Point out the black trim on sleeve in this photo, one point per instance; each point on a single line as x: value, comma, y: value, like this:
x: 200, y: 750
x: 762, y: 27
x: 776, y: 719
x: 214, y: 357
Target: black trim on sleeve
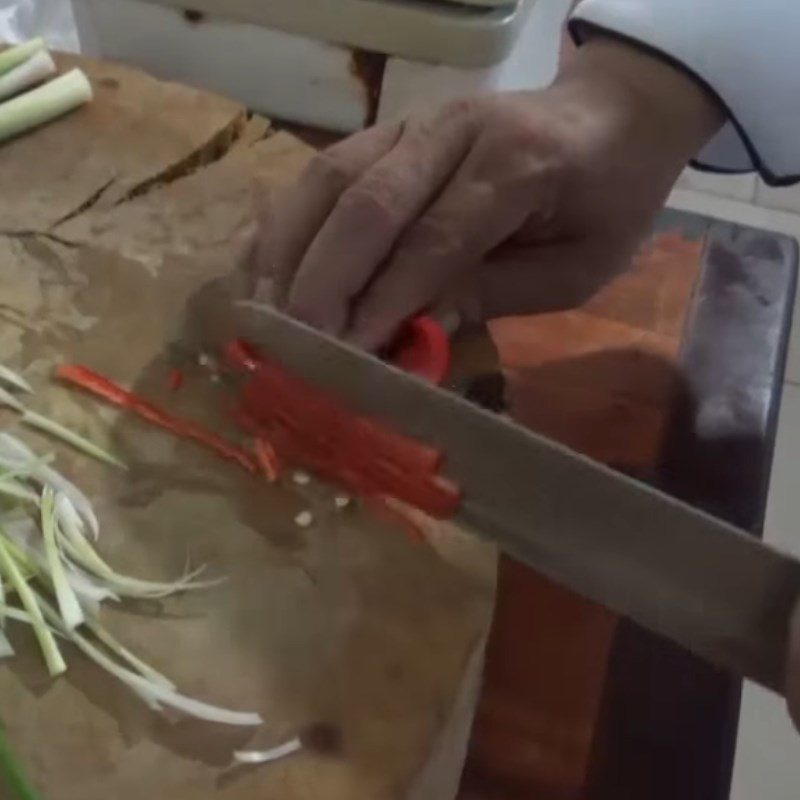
x: 578, y: 28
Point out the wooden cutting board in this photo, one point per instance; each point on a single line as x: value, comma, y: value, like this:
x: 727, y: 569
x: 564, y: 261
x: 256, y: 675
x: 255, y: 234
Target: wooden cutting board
x: 369, y: 645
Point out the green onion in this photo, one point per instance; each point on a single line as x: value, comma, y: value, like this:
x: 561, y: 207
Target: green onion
x: 20, y: 53
x: 11, y: 378
x: 52, y: 655
x: 48, y: 102
x: 8, y: 399
x: 68, y: 605
x: 42, y: 423
x: 16, y: 455
x: 153, y: 693
x: 11, y: 488
x: 36, y: 69
x: 118, y: 649
x: 13, y: 774
x: 265, y: 756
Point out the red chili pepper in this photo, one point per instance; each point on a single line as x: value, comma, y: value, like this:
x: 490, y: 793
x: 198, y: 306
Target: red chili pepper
x: 102, y: 387
x: 267, y: 459
x: 315, y: 431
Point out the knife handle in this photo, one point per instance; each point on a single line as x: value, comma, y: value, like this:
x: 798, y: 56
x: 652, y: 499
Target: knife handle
x: 423, y: 349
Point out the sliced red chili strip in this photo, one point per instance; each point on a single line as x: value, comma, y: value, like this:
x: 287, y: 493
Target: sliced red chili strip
x: 315, y: 431
x: 102, y: 387
x: 267, y: 459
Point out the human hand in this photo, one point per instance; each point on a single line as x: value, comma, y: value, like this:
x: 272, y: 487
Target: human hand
x: 500, y: 204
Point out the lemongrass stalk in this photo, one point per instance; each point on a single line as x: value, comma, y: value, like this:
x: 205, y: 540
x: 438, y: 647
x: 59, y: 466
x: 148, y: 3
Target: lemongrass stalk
x: 68, y: 605
x: 14, y: 56
x: 14, y: 380
x: 47, y: 425
x: 36, y: 69
x: 52, y: 655
x: 42, y: 105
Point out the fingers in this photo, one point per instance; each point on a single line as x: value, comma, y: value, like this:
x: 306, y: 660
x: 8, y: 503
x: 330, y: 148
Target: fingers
x: 437, y: 255
x: 296, y: 214
x: 371, y: 215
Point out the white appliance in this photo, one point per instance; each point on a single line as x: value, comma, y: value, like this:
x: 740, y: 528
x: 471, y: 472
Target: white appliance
x: 300, y: 60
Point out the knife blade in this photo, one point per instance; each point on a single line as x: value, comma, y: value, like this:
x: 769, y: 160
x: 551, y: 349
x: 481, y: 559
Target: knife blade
x: 671, y: 568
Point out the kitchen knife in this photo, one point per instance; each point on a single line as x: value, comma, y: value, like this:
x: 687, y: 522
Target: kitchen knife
x: 673, y: 569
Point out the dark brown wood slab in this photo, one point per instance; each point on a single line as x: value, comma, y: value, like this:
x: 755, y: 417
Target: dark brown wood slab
x: 672, y: 374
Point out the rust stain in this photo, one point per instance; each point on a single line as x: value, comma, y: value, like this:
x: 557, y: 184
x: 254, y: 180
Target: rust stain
x: 368, y: 68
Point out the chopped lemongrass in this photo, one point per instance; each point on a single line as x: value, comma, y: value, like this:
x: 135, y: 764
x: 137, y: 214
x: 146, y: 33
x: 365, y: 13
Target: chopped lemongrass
x: 265, y: 756
x: 29, y: 73
x: 38, y: 106
x: 79, y: 442
x: 7, y: 399
x: 153, y: 693
x: 301, y: 478
x: 47, y: 643
x: 118, y: 649
x: 68, y: 604
x: 18, y: 54
x: 15, y: 381
x: 15, y: 455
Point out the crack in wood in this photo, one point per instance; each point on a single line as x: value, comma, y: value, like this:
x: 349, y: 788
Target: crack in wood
x: 211, y: 151
x: 86, y: 205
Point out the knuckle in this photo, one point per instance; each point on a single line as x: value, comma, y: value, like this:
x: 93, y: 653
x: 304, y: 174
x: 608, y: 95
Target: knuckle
x: 436, y: 236
x: 461, y: 109
x: 330, y: 170
x: 373, y: 202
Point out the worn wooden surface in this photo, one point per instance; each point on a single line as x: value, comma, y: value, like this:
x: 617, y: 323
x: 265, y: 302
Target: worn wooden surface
x: 133, y: 203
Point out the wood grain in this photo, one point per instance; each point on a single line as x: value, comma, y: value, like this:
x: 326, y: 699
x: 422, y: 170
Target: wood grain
x: 347, y: 625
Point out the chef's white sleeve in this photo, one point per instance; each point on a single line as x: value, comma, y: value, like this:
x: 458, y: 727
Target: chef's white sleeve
x: 747, y: 52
